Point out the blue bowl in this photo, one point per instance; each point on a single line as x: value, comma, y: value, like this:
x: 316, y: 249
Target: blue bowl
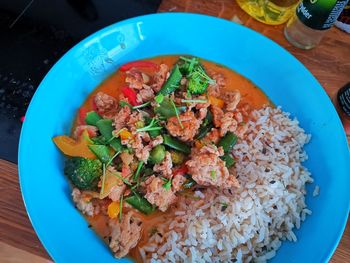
x: 46, y: 192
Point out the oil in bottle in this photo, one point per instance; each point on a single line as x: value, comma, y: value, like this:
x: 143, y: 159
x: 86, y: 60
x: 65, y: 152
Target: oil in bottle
x: 272, y: 12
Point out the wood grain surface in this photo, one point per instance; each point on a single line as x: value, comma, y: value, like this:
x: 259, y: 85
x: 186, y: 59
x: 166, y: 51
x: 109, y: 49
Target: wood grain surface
x: 15, y: 227
x: 329, y: 62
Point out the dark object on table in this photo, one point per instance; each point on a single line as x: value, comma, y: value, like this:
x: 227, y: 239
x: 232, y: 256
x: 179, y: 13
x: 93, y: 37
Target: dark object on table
x: 343, y: 97
x: 34, y: 35
x: 343, y: 21
x: 343, y: 106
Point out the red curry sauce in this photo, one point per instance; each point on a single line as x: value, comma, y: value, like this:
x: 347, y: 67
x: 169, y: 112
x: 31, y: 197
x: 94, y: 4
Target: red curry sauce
x: 250, y: 94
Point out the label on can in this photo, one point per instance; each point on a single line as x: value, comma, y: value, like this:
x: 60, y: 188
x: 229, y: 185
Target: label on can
x: 344, y: 99
x: 320, y: 14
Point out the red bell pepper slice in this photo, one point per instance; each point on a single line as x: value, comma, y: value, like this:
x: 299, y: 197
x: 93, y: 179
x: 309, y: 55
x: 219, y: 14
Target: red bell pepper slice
x: 94, y: 107
x: 182, y: 170
x: 139, y: 64
x: 130, y: 94
x: 91, y: 133
x: 82, y: 115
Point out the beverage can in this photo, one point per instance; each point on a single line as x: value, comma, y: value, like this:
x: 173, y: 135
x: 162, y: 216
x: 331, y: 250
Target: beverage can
x: 320, y: 14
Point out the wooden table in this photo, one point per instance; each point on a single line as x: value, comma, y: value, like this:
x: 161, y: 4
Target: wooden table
x: 329, y: 62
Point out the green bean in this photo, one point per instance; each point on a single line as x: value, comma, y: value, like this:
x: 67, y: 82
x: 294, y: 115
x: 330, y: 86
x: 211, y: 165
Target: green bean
x: 140, y: 203
x: 99, y: 140
x: 92, y: 118
x: 173, y: 81
x: 204, y: 131
x: 146, y: 173
x: 228, y: 159
x: 206, y: 126
x: 176, y: 144
x: 106, y: 129
x: 228, y: 141
x: 154, y: 133
x: 167, y: 110
x: 159, y: 98
x: 101, y: 152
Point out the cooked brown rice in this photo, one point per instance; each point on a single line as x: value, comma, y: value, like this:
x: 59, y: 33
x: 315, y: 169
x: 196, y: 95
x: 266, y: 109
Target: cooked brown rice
x: 251, y: 222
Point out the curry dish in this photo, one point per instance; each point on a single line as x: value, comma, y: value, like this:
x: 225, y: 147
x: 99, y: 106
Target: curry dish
x: 156, y: 134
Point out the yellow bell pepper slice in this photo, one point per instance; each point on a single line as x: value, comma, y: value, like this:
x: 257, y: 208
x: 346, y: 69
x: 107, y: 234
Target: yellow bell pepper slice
x: 111, y: 179
x: 75, y: 148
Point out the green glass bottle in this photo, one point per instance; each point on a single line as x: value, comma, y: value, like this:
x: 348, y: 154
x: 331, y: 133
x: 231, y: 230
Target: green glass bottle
x: 311, y: 20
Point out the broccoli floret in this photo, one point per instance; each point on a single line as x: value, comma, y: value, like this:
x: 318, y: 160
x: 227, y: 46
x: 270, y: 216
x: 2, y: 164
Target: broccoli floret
x: 198, y: 79
x: 84, y: 173
x: 197, y: 84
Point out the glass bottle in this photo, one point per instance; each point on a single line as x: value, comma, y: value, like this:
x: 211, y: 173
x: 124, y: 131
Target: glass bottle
x: 272, y: 12
x: 311, y: 20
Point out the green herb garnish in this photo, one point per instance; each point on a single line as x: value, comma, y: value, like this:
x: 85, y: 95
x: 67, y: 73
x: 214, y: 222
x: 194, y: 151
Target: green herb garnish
x: 152, y: 126
x: 142, y: 105
x: 112, y: 158
x: 177, y: 113
x: 125, y: 181
x: 121, y: 208
x: 188, y: 64
x: 198, y: 79
x: 138, y: 170
x: 103, y: 177
x: 194, y: 101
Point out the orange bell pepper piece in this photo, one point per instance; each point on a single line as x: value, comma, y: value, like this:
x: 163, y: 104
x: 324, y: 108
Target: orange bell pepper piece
x: 216, y: 102
x: 113, y: 209
x: 125, y: 134
x: 75, y: 148
x: 198, y: 144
